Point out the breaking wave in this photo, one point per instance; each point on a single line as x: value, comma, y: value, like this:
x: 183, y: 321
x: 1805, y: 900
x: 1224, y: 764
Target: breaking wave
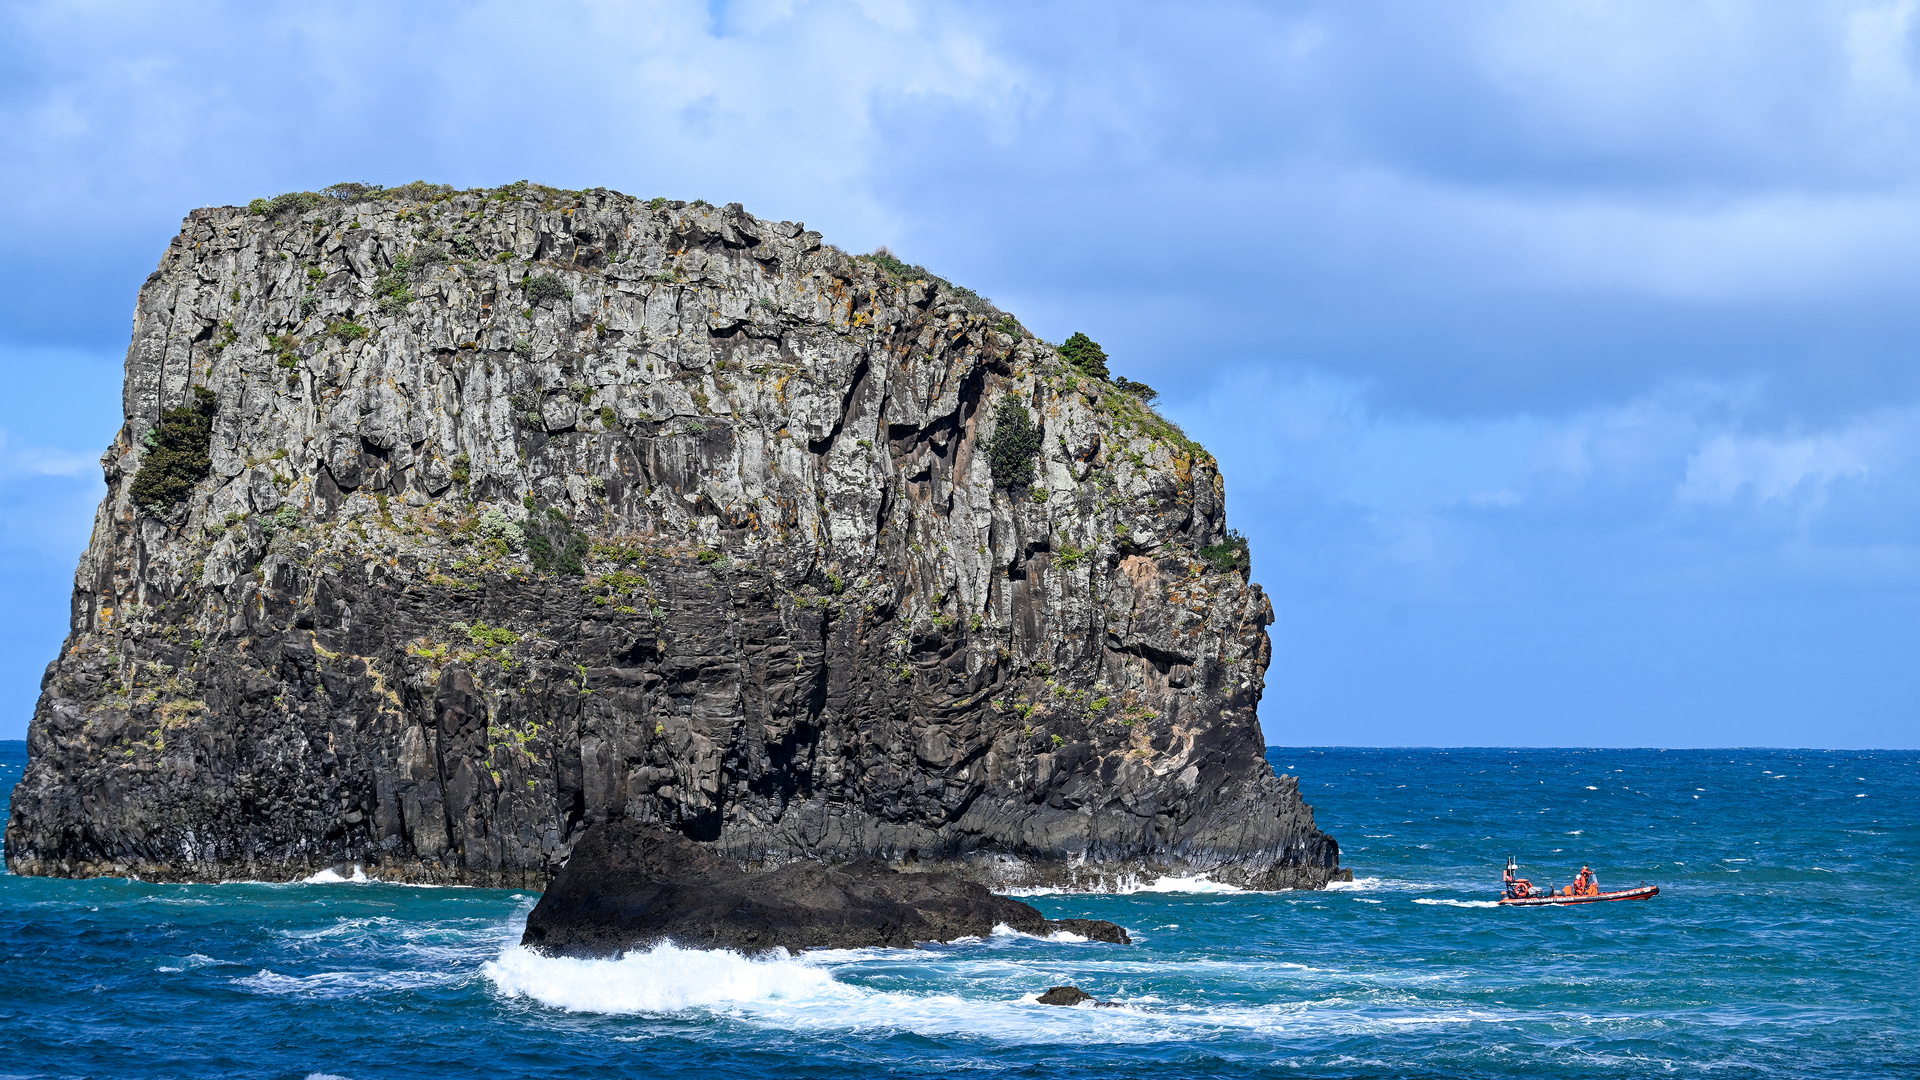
x: 1129, y: 886
x: 663, y: 979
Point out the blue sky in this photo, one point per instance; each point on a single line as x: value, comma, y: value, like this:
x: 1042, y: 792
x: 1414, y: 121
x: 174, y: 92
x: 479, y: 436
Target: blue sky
x: 1560, y: 356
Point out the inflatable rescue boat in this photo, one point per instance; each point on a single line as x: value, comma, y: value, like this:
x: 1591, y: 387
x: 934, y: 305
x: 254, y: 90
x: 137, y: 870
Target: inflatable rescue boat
x: 1640, y: 892
x: 1522, y: 893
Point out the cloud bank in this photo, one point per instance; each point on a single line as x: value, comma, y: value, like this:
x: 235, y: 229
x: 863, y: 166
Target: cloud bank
x: 1560, y: 356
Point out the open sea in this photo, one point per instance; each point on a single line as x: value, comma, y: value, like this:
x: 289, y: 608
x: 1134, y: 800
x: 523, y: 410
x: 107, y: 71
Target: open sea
x: 1784, y: 943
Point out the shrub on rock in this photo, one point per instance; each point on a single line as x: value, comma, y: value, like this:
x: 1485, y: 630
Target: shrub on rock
x: 1016, y: 439
x: 180, y: 455
x: 1086, y: 354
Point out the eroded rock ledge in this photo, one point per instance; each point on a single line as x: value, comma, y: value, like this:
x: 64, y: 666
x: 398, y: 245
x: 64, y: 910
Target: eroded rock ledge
x: 530, y: 510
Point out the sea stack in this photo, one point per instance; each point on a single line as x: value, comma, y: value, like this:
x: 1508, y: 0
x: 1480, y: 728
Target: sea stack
x: 445, y: 525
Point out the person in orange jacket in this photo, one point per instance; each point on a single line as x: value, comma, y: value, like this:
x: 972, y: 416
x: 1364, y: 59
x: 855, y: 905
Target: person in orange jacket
x: 1586, y: 884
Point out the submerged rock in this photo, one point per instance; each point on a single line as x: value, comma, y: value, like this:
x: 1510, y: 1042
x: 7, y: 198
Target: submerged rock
x: 1073, y: 995
x: 630, y: 886
x: 522, y: 510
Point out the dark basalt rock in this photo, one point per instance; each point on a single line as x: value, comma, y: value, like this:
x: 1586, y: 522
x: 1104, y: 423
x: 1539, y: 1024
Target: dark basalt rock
x: 1073, y: 995
x: 631, y: 886
x: 1092, y: 930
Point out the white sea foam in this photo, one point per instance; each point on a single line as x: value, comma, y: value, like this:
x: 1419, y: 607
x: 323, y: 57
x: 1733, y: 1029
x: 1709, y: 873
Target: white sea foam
x: 331, y: 876
x: 807, y: 993
x: 663, y: 979
x: 1457, y: 903
x: 1359, y: 884
x: 1199, y: 883
x: 1128, y: 886
x: 340, y: 984
x: 1002, y: 930
x: 190, y: 962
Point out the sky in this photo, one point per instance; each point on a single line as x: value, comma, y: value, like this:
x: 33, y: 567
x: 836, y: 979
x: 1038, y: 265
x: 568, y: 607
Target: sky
x: 1560, y: 357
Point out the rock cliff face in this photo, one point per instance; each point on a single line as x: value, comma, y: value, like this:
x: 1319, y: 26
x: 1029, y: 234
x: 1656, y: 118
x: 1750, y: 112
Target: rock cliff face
x: 528, y: 509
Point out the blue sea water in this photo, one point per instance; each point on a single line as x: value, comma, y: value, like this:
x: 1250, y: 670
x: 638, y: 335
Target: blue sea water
x: 1783, y: 944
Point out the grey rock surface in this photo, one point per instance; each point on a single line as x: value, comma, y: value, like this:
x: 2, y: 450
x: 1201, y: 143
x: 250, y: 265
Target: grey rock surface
x: 704, y: 537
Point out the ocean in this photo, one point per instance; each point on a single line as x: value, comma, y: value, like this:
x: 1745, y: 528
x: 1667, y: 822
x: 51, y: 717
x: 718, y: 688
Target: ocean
x: 1784, y: 943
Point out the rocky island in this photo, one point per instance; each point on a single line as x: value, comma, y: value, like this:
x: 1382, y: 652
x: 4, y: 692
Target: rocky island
x: 446, y: 527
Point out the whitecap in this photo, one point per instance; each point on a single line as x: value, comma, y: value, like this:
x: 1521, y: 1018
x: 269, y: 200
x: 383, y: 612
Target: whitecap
x: 338, y: 984
x: 189, y: 962
x: 331, y: 876
x: 1457, y: 903
x: 1198, y: 883
x: 663, y: 979
x: 1128, y: 885
x: 1002, y: 930
x: 1359, y: 884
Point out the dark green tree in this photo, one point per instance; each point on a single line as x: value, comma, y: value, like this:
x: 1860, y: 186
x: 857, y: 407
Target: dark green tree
x: 179, y: 456
x: 1140, y: 390
x: 1230, y: 554
x: 1016, y: 439
x: 1086, y: 354
x: 554, y: 546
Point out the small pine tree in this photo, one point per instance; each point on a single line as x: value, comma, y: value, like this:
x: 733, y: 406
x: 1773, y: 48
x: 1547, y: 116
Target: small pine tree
x: 180, y: 457
x: 1086, y: 354
x: 1016, y: 439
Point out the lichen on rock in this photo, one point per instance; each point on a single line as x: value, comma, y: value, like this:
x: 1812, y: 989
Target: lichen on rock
x: 527, y: 509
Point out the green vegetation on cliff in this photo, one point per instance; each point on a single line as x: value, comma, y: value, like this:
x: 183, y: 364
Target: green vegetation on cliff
x: 1016, y: 439
x: 178, y: 458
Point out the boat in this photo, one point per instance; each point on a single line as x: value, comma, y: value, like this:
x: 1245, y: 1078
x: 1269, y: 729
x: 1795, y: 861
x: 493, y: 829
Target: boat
x: 1638, y: 892
x: 1521, y: 893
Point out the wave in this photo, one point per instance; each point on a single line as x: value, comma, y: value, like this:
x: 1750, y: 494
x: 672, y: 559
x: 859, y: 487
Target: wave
x: 340, y: 984
x: 332, y: 876
x: 969, y: 994
x: 1457, y: 903
x: 1359, y: 884
x: 1129, y: 886
x: 1002, y: 930
x: 663, y: 979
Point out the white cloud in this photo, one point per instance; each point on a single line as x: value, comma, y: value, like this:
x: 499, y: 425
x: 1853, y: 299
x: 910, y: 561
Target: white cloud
x: 17, y: 461
x: 1775, y: 468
